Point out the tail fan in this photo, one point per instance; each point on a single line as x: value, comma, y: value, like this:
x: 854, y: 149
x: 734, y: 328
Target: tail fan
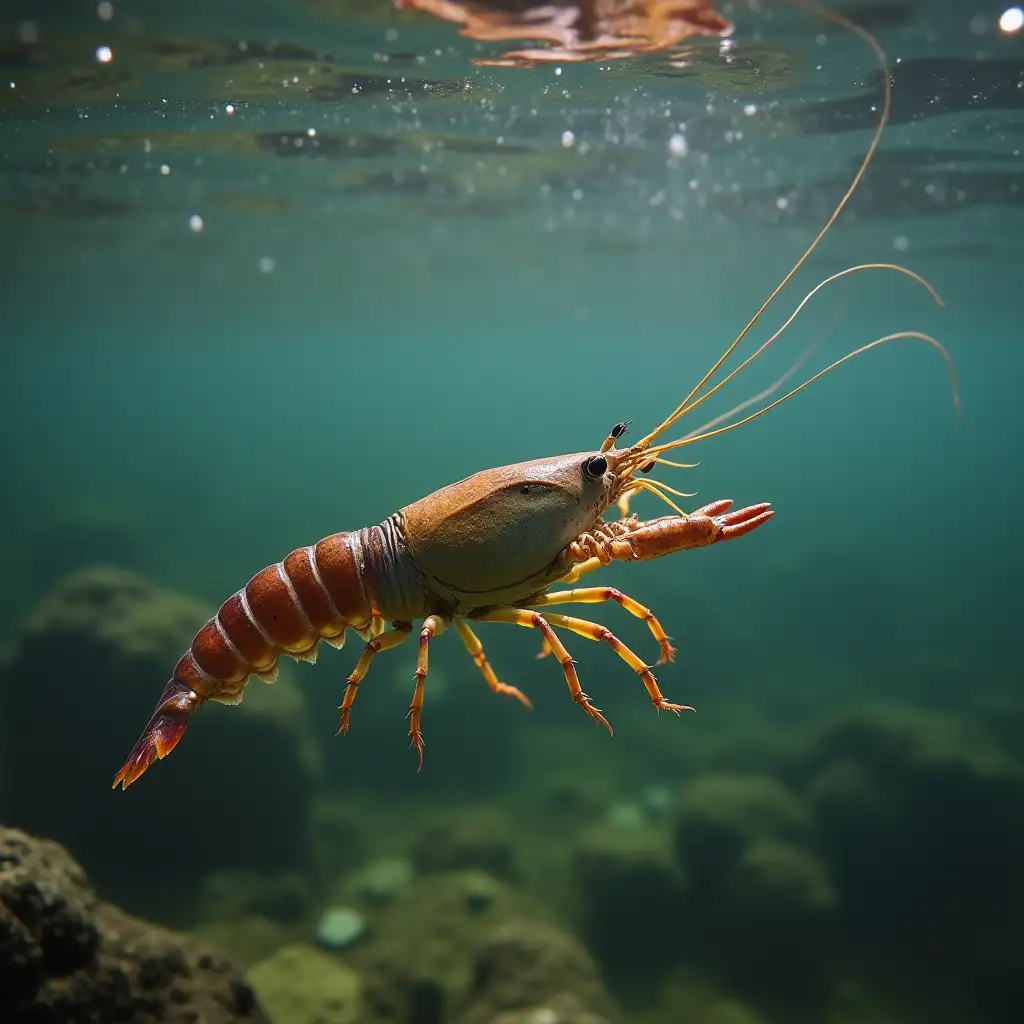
x: 162, y: 732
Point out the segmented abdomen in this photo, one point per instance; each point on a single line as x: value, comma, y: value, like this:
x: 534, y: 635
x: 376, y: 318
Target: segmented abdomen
x: 314, y: 594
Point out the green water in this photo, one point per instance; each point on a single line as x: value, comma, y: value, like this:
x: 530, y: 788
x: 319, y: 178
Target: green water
x: 245, y: 307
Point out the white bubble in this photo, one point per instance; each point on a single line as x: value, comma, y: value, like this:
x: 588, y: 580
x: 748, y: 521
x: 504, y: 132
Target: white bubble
x: 229, y: 109
x: 195, y: 223
x: 750, y: 109
x: 1011, y: 20
x: 901, y: 243
x: 782, y: 202
x: 165, y: 170
x: 105, y: 10
x: 266, y: 264
x: 104, y: 54
x: 577, y: 194
x: 568, y: 139
x: 677, y: 145
x: 311, y: 132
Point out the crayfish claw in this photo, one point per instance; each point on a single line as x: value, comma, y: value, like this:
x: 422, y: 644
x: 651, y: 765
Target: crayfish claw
x: 736, y: 524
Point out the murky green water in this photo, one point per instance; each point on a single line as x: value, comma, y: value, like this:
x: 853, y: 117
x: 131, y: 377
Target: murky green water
x: 272, y: 271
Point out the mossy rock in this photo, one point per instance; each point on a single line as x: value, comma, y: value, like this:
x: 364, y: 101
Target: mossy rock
x: 300, y: 985
x: 628, y: 884
x: 719, y: 815
x: 76, y: 688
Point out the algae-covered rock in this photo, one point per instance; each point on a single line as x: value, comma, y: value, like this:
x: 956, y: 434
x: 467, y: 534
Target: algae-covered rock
x: 562, y: 1009
x: 300, y: 985
x: 629, y: 885
x: 68, y: 958
x: 77, y: 687
x: 382, y: 880
x: 418, y: 958
x: 478, y: 838
x: 718, y: 815
x: 336, y: 839
x: 775, y: 886
x: 82, y: 535
x: 240, y: 892
x: 523, y: 968
x: 250, y: 939
x: 921, y: 817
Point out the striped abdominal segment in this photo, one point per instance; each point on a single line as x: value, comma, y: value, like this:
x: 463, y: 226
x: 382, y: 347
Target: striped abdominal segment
x: 314, y: 594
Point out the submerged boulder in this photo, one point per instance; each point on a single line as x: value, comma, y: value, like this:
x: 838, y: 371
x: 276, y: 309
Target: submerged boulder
x: 68, y: 958
x: 921, y: 818
x: 300, y: 985
x: 477, y: 838
x: 525, y: 973
x: 76, y: 688
x: 417, y: 960
x: 628, y: 886
x: 719, y: 815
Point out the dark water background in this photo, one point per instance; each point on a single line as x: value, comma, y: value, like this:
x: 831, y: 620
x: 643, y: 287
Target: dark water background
x: 348, y: 332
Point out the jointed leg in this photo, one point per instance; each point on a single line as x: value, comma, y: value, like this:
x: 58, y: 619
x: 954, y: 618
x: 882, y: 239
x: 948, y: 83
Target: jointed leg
x: 578, y: 570
x: 581, y: 569
x: 384, y: 642
x: 595, y: 595
x: 432, y: 625
x: 476, y: 650
x: 595, y: 631
x: 534, y: 620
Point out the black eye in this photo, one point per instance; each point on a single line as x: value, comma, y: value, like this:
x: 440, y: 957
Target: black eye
x: 596, y: 466
x: 619, y: 429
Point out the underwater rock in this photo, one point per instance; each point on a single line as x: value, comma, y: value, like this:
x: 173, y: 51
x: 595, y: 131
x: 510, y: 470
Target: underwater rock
x: 718, y: 815
x: 563, y: 1009
x: 336, y: 838
x: 340, y: 927
x: 240, y: 892
x: 466, y: 839
x: 775, y: 884
x: 657, y: 800
x: 248, y: 940
x: 629, y: 886
x: 776, y: 889
x: 76, y: 687
x: 68, y: 958
x: 82, y: 535
x: 418, y: 961
x: 382, y: 880
x: 921, y: 817
x: 300, y: 985
x: 523, y: 968
x: 626, y: 817
x: 566, y: 799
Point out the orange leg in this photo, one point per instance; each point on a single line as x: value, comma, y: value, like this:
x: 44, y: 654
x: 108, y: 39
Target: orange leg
x: 432, y: 625
x: 476, y: 650
x: 595, y: 595
x: 595, y: 631
x: 581, y: 569
x: 384, y: 642
x: 534, y: 620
